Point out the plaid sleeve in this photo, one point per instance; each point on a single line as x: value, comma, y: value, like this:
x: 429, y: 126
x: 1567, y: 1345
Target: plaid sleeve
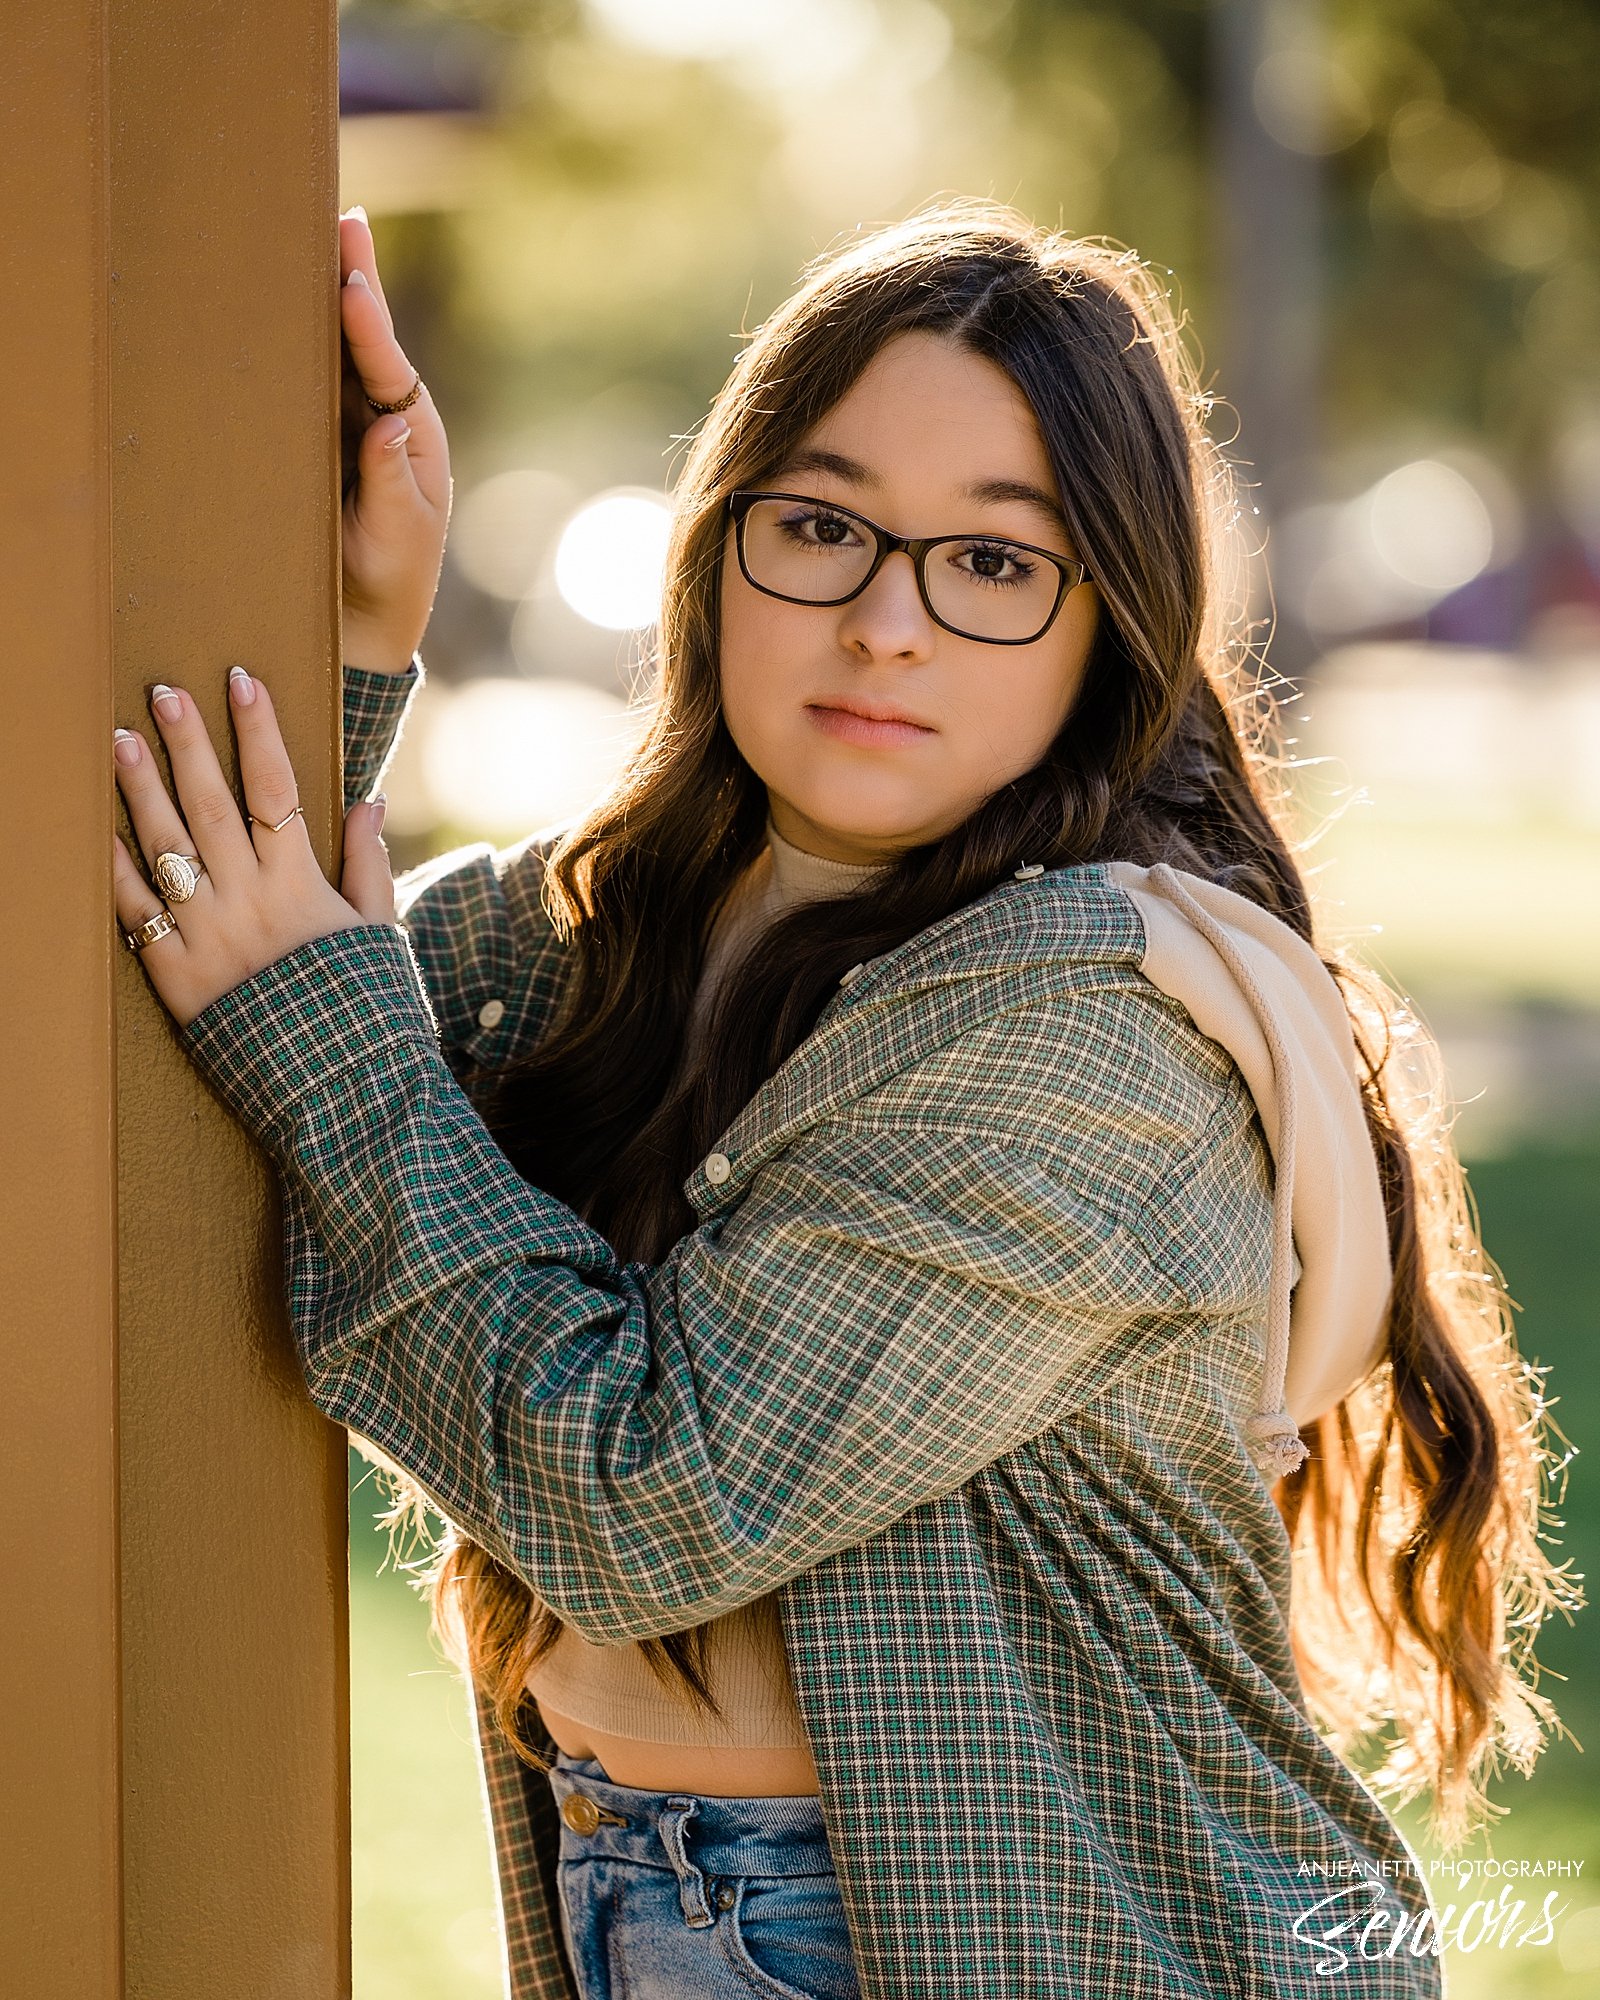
x: 375, y: 708
x: 480, y: 934
x: 474, y: 916
x: 901, y: 1297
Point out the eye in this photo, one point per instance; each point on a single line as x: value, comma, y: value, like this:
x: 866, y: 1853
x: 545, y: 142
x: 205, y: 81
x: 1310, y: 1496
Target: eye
x: 1001, y: 564
x: 818, y: 528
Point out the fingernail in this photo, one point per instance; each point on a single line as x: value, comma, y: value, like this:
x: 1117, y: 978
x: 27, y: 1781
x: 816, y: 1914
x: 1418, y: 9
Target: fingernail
x: 359, y: 210
x: 395, y: 443
x: 167, y: 704
x: 380, y: 805
x: 124, y: 746
x: 241, y: 686
x: 358, y: 277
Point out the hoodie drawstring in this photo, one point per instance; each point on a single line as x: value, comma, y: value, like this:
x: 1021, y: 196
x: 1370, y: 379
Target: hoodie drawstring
x: 1274, y: 1435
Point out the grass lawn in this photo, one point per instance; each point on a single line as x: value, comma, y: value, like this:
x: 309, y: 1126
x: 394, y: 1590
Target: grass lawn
x: 423, y: 1919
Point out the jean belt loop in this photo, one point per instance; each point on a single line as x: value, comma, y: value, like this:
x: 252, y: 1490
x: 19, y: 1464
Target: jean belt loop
x: 673, y: 1826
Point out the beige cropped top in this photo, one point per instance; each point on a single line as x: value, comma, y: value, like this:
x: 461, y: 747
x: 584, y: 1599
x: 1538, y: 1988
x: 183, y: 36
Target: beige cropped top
x: 611, y: 1688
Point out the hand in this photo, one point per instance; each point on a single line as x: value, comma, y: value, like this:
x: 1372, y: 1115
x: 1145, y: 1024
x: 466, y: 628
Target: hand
x: 262, y: 893
x: 396, y: 488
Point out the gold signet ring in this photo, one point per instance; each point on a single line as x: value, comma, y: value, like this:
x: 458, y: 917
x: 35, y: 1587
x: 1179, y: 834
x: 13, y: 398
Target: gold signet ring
x: 177, y: 874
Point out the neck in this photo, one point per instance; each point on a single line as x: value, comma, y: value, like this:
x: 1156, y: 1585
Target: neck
x: 799, y: 875
x: 822, y: 843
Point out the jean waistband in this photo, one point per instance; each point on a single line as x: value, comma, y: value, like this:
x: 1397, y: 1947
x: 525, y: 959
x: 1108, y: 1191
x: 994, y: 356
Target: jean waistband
x: 780, y: 1835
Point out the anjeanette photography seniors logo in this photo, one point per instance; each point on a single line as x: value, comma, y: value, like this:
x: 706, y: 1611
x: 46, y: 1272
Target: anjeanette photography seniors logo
x: 1360, y: 1918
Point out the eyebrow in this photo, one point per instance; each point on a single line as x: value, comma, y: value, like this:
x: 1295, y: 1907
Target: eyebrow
x: 814, y: 458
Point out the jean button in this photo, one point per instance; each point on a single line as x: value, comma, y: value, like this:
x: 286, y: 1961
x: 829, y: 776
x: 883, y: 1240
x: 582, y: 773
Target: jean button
x: 580, y: 1813
x: 725, y: 1896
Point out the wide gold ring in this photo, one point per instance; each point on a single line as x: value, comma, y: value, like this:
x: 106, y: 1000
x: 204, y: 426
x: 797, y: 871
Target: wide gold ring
x: 151, y: 929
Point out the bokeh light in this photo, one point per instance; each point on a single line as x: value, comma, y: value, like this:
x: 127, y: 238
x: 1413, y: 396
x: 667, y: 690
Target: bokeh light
x: 1430, y: 526
x: 1414, y: 535
x: 610, y: 559
x: 690, y: 28
x: 502, y: 757
x: 500, y: 530
x: 797, y: 41
x: 1443, y: 161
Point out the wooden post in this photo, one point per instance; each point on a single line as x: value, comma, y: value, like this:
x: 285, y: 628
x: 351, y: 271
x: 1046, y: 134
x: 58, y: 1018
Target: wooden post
x: 176, y: 1666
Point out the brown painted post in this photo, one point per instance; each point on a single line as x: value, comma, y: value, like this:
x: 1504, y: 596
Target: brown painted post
x: 174, y: 1715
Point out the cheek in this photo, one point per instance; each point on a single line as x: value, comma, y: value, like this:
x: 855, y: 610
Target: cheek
x: 1007, y: 709
x: 762, y: 658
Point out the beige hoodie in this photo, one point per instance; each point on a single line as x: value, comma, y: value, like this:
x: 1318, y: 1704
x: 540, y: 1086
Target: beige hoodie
x: 1254, y: 985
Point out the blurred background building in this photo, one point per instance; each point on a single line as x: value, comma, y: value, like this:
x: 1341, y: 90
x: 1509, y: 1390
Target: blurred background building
x: 1380, y: 222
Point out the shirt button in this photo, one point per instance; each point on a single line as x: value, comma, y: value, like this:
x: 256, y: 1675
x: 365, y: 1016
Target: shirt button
x: 491, y: 1013
x: 580, y: 1813
x: 846, y: 977
x: 718, y: 1167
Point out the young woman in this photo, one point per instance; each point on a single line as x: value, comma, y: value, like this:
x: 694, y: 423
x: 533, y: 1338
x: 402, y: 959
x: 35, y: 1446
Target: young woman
x: 887, y: 1241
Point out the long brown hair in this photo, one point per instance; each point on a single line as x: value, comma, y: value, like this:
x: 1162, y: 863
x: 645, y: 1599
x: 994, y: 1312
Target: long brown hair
x: 1422, y: 1505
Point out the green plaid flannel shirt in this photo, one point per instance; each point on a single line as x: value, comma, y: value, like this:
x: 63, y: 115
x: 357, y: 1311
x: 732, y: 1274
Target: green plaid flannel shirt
x: 956, y: 1360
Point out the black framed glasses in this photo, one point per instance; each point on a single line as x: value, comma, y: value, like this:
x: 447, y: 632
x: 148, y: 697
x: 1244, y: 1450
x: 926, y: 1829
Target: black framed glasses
x: 984, y: 587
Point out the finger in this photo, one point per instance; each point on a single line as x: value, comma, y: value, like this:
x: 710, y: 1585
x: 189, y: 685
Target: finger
x: 385, y: 457
x: 157, y: 824
x: 367, y: 880
x: 205, y: 797
x: 136, y: 902
x: 270, y: 789
x: 358, y: 252
x: 385, y: 373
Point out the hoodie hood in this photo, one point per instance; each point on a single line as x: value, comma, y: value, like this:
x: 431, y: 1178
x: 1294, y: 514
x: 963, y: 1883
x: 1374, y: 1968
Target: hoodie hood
x: 1255, y: 986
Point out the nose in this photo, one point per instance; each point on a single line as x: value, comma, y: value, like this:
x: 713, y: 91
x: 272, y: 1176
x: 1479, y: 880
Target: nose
x: 888, y: 621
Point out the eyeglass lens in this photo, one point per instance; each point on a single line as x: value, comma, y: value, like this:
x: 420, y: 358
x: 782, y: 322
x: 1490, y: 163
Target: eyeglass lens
x: 985, y: 587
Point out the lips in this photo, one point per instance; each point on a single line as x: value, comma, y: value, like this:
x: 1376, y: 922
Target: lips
x: 869, y: 713
x: 872, y: 732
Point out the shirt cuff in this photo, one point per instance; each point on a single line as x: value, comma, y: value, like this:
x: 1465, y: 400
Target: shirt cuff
x: 321, y: 1008
x: 374, y: 708
x: 370, y: 677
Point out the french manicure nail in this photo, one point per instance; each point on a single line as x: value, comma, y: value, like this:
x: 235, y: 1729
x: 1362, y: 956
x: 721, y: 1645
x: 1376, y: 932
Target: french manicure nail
x: 241, y: 685
x: 167, y: 704
x: 395, y: 443
x: 124, y: 746
x: 358, y: 277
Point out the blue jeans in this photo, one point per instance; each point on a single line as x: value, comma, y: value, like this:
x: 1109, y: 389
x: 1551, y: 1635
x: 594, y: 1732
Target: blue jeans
x: 684, y: 1896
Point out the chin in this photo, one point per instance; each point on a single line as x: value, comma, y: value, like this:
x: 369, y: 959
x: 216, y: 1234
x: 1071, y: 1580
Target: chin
x: 854, y: 819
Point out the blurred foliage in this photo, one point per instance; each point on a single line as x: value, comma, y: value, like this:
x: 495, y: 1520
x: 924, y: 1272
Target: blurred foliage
x: 643, y: 209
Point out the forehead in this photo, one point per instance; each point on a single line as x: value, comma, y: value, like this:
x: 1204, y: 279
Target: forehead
x: 927, y: 409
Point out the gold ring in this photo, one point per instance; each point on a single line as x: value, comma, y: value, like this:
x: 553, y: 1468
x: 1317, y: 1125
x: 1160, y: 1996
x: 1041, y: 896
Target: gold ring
x: 176, y: 874
x: 151, y: 929
x: 267, y: 823
x: 405, y: 402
